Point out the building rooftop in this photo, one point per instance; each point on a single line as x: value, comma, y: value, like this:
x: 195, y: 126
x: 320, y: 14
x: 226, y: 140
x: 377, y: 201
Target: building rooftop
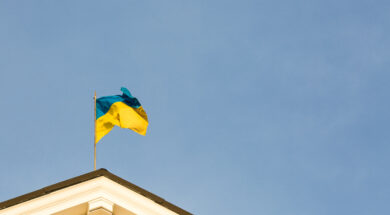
x: 88, y: 177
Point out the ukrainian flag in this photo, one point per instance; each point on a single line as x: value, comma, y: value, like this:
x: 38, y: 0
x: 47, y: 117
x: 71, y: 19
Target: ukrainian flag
x: 123, y: 110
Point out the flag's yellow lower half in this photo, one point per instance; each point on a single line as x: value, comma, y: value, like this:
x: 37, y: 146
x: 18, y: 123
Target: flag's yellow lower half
x: 123, y: 116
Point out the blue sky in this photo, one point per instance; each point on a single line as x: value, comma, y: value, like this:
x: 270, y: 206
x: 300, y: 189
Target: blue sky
x: 255, y: 107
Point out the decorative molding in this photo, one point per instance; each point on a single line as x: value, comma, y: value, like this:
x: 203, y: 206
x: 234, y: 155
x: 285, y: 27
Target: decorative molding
x: 101, y: 203
x: 100, y: 211
x: 98, y: 191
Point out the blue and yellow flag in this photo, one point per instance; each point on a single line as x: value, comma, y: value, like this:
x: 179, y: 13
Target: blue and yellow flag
x: 123, y: 110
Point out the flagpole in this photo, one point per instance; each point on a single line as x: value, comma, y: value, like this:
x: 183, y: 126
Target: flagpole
x: 94, y: 133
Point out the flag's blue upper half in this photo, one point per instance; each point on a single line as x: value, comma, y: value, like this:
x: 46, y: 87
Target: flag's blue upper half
x: 103, y: 104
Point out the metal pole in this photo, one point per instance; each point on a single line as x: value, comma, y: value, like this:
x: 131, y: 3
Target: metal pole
x: 94, y: 132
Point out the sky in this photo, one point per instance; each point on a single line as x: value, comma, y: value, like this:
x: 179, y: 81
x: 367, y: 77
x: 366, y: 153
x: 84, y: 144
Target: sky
x: 255, y: 107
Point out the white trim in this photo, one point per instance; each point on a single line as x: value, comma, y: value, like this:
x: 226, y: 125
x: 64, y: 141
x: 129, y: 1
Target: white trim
x: 97, y: 188
x: 101, y: 203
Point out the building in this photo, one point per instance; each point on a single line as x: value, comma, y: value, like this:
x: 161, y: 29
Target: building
x: 96, y: 193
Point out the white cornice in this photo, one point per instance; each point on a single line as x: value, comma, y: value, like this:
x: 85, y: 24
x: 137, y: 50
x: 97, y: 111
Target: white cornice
x: 88, y: 191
